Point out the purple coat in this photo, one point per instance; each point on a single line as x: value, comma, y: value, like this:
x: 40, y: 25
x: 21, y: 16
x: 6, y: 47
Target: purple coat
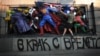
x: 19, y: 20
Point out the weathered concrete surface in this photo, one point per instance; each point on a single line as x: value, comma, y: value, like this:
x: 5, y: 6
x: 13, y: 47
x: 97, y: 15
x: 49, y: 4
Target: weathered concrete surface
x: 7, y: 46
x: 86, y: 52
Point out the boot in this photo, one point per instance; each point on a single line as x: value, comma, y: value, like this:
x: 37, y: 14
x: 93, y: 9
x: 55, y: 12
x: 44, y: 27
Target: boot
x: 41, y: 31
x: 57, y: 31
x: 83, y: 28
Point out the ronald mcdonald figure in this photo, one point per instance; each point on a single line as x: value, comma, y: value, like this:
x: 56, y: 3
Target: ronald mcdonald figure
x: 47, y: 18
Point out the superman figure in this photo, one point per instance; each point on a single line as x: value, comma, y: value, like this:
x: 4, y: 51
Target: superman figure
x: 47, y: 18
